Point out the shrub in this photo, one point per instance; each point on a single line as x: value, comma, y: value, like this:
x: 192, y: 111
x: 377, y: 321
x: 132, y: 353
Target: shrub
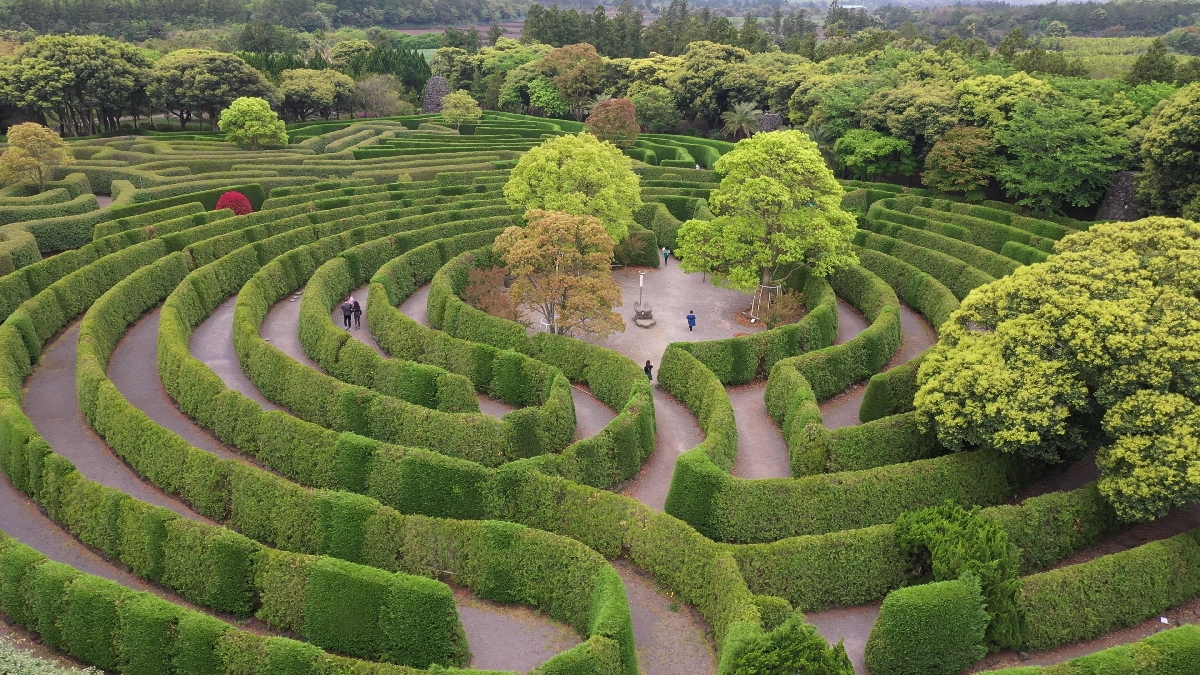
x: 236, y: 202
x: 934, y: 629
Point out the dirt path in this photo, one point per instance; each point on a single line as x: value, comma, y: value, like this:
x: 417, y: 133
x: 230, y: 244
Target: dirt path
x: 510, y: 637
x: 842, y: 409
x: 105, y: 201
x: 762, y: 450
x: 671, y: 636
x: 677, y: 433
x: 52, y: 404
x: 591, y: 416
x: 212, y: 344
x: 851, y: 322
x: 852, y: 625
x: 133, y: 368
x: 363, y: 334
x: 281, y: 327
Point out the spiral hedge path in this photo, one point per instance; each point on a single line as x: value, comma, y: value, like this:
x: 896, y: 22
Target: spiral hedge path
x: 181, y: 413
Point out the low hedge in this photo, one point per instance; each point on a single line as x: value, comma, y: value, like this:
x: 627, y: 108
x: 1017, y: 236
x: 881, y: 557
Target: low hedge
x: 655, y: 216
x: 61, y: 233
x: 852, y: 567
x: 20, y: 213
x: 919, y: 290
x: 796, y: 384
x: 933, y: 629
x: 1023, y: 254
x: 211, y: 565
x: 959, y: 277
x: 742, y: 359
x: 324, y: 400
x: 890, y: 392
x: 1117, y: 590
x: 334, y: 523
x: 911, y: 211
x: 1171, y: 652
x: 18, y: 249
x: 207, y: 198
x: 110, y: 626
x: 613, y: 455
x: 132, y: 222
x: 989, y: 262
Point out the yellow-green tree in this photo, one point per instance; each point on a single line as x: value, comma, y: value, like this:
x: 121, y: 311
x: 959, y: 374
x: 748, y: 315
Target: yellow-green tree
x: 579, y: 175
x: 459, y: 108
x: 1098, y: 347
x: 778, y: 207
x: 250, y: 123
x: 561, y: 263
x: 33, y: 152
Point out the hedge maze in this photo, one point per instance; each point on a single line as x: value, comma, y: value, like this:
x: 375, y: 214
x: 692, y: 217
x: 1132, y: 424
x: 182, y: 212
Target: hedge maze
x: 362, y: 486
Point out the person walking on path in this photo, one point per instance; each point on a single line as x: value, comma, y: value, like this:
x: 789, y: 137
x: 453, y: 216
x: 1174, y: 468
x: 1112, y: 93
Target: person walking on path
x: 347, y: 312
x: 357, y: 315
x: 691, y: 317
x: 649, y: 371
x: 666, y: 254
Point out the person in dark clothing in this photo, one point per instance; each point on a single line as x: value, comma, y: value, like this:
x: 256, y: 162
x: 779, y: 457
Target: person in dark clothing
x: 666, y: 254
x: 649, y: 371
x: 357, y: 315
x: 691, y: 319
x: 347, y: 312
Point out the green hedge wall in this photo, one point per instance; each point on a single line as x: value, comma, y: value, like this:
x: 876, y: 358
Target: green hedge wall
x: 244, y: 488
x: 613, y: 455
x: 1171, y: 652
x: 742, y: 359
x: 105, y: 624
x: 891, y: 392
x: 934, y: 629
x: 207, y: 198
x: 959, y: 277
x: 1117, y: 590
x: 989, y: 262
x: 919, y: 290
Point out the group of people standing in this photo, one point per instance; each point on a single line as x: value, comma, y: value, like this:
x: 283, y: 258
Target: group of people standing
x: 351, y: 310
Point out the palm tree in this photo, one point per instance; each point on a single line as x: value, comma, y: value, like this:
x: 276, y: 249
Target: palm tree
x: 742, y: 120
x: 824, y: 139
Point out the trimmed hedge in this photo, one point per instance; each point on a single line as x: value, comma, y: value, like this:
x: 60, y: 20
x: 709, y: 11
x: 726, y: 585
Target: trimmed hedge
x: 207, y: 198
x: 107, y: 625
x: 1117, y: 590
x: 918, y: 289
x: 614, y: 454
x: 742, y: 359
x: 891, y: 392
x: 989, y: 262
x: 934, y: 629
x: 959, y: 277
x: 1171, y: 652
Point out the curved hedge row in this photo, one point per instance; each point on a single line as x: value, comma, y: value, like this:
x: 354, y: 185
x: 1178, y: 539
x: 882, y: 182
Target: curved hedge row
x: 614, y: 454
x: 953, y: 273
x: 986, y: 261
x: 103, y: 623
x: 742, y: 359
x: 340, y: 524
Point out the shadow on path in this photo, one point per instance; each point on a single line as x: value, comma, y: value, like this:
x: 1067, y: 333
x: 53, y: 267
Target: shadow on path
x: 850, y: 624
x: 762, y: 450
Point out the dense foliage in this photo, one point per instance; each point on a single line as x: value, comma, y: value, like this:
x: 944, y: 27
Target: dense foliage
x: 250, y: 123
x: 580, y: 175
x: 1074, y: 354
x: 778, y: 206
x: 561, y: 263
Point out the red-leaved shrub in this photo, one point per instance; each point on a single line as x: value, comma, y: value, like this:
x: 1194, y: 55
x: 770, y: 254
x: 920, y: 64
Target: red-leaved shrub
x: 236, y: 201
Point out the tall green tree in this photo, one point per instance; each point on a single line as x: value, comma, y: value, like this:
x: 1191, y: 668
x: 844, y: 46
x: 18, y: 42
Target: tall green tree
x: 869, y: 153
x: 83, y: 83
x: 1155, y: 65
x: 778, y: 207
x: 963, y: 160
x: 1060, y: 152
x: 1170, y: 151
x: 252, y: 124
x: 1094, y: 348
x: 306, y: 93
x: 579, y: 175
x: 190, y: 82
x: 699, y: 81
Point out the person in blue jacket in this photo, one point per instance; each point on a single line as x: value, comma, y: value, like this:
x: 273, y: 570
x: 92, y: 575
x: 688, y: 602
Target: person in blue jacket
x: 691, y: 318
